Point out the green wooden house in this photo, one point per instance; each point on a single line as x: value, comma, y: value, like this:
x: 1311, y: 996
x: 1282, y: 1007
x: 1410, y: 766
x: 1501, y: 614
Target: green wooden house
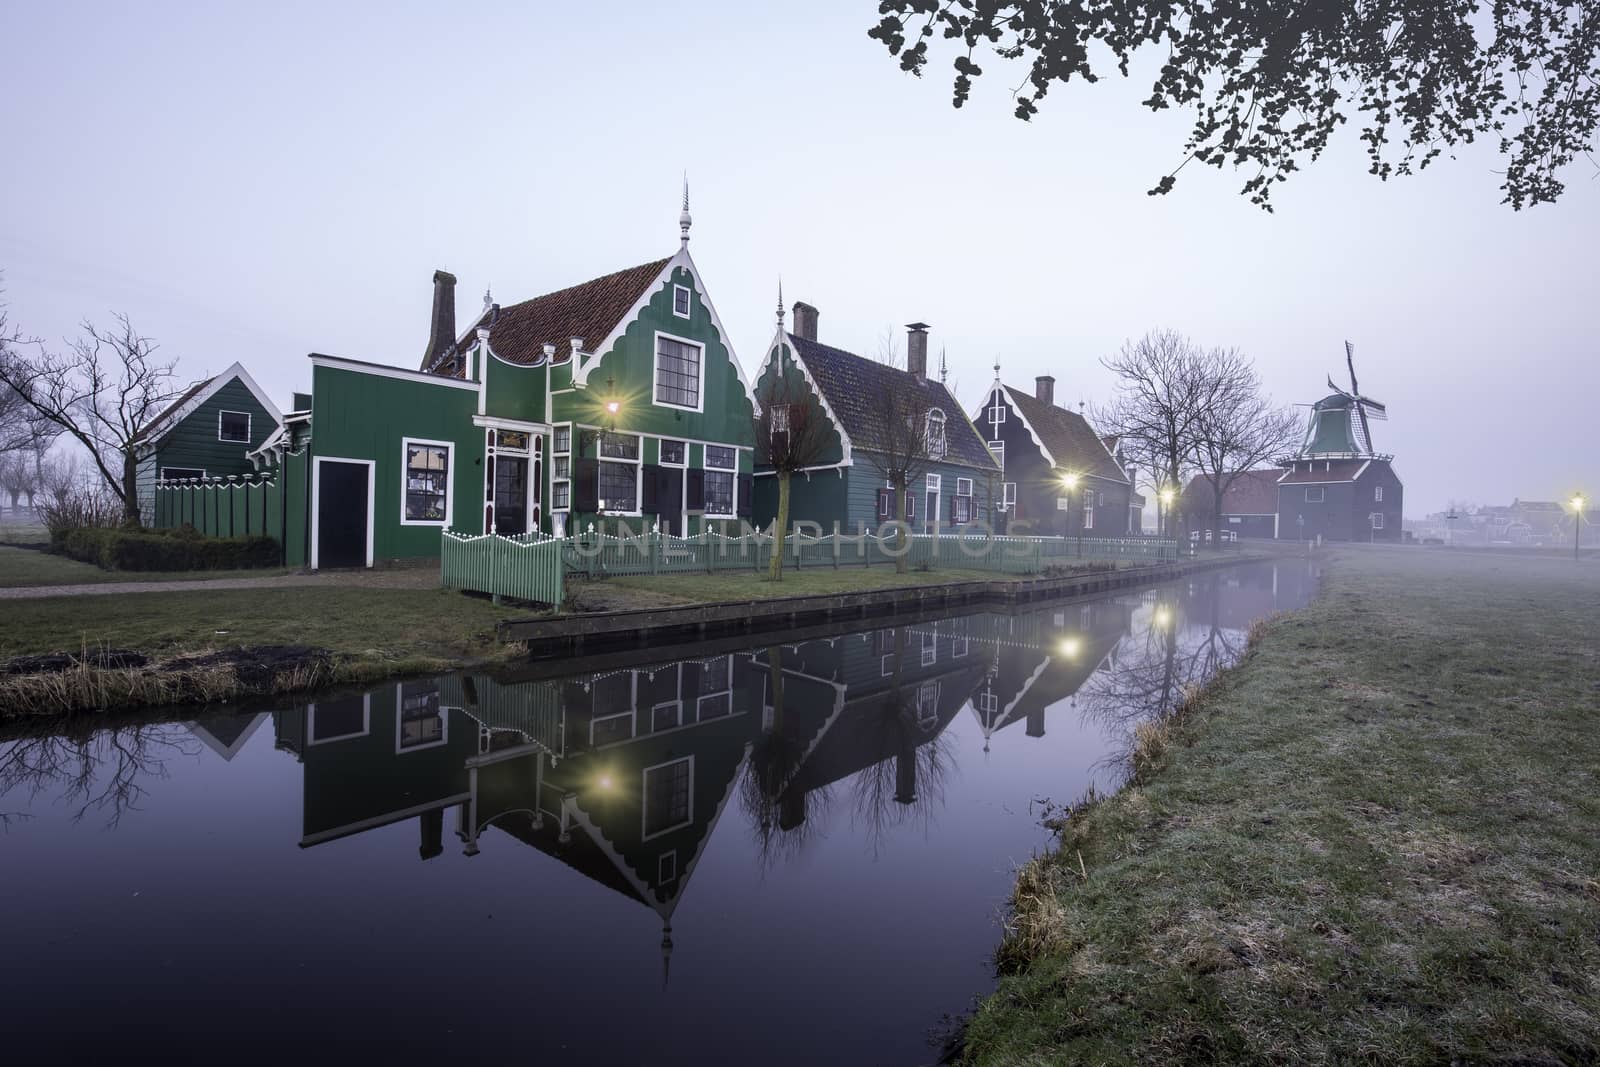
x: 956, y: 480
x: 208, y: 432
x: 616, y: 402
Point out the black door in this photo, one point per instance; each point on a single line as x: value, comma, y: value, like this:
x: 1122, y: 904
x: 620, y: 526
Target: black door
x: 669, y: 501
x: 511, y: 495
x: 341, y: 514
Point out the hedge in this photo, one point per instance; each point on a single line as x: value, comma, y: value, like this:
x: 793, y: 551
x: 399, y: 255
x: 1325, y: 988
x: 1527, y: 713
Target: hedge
x: 182, y: 549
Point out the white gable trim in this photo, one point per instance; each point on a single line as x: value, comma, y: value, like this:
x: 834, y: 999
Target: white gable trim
x: 1016, y: 409
x: 581, y: 367
x: 355, y: 366
x: 780, y: 341
x: 160, y: 427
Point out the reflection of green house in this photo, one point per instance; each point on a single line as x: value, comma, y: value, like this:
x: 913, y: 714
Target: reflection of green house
x: 616, y: 400
x: 226, y: 735
x: 208, y: 432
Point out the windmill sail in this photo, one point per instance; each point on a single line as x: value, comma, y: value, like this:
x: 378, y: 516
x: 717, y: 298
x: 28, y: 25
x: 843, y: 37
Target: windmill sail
x: 1355, y: 392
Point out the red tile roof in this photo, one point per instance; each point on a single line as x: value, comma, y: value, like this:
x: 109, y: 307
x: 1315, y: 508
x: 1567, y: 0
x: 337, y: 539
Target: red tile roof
x: 1250, y: 493
x: 590, y: 311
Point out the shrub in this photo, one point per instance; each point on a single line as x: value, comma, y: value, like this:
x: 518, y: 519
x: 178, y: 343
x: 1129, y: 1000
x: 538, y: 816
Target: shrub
x: 78, y: 507
x: 167, y: 550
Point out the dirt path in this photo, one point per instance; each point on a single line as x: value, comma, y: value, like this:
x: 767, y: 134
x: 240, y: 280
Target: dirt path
x: 399, y: 578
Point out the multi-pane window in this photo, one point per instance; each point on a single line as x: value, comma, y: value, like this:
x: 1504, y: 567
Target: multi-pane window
x: 997, y: 449
x: 720, y: 469
x: 1377, y: 520
x: 561, y: 469
x: 1315, y: 495
x: 563, y: 439
x: 666, y: 797
x: 1008, y: 495
x: 677, y: 373
x: 961, y: 509
x: 421, y: 720
x: 1377, y: 493
x: 680, y: 301
x: 233, y: 426
x: 934, y: 436
x: 427, y: 483
x: 674, y: 452
x: 1088, y: 509
x: 619, y: 481
x: 927, y: 704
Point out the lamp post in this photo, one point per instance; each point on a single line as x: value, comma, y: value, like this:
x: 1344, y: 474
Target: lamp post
x: 1069, y: 482
x: 1165, y: 496
x: 1577, y: 522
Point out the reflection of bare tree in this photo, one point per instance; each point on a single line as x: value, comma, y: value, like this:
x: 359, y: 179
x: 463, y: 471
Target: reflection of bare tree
x: 102, y: 771
x: 782, y: 819
x: 906, y: 784
x: 1155, y: 670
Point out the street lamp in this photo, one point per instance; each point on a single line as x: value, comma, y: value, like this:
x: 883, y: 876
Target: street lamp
x: 1166, y: 496
x: 1577, y: 521
x: 1069, y: 482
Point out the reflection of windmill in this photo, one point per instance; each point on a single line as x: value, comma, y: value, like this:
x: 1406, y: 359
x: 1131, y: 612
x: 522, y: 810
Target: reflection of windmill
x: 1339, y: 423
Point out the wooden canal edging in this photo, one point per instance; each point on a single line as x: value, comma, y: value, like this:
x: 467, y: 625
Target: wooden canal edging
x: 569, y: 635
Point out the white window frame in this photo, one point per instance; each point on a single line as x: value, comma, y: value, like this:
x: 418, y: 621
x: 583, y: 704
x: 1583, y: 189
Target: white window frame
x: 167, y: 478
x: 449, y: 481
x: 644, y: 799
x: 700, y: 385
x: 633, y: 726
x: 663, y: 875
x: 1008, y: 496
x: 399, y: 721
x: 937, y: 448
x: 567, y: 481
x: 960, y: 646
x: 886, y: 665
x: 997, y: 413
x: 930, y: 648
x: 688, y: 302
x: 706, y: 465
x: 934, y: 483
x: 997, y: 449
x: 963, y: 487
x: 928, y: 703
x: 1377, y: 494
x: 366, y: 724
x: 684, y: 462
x: 677, y: 719
x: 1088, y: 510
x: 1376, y: 518
x: 249, y: 428
x: 638, y: 474
x: 780, y: 419
x: 1320, y: 498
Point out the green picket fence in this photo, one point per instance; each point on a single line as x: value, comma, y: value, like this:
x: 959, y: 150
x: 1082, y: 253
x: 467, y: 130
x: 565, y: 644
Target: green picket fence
x: 524, y: 568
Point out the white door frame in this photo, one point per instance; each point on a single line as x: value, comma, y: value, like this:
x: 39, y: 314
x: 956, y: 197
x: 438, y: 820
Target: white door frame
x: 316, y: 500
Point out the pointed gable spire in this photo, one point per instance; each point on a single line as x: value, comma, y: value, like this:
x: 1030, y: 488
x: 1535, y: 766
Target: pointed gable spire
x: 944, y: 367
x: 685, y: 220
x: 997, y: 368
x: 780, y: 303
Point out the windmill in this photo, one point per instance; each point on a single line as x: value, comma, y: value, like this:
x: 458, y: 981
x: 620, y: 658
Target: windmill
x: 1361, y: 407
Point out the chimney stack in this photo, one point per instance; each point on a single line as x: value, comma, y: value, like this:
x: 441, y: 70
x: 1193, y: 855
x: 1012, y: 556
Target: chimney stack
x: 917, y: 349
x: 805, y: 320
x: 1044, y: 387
x: 442, y: 331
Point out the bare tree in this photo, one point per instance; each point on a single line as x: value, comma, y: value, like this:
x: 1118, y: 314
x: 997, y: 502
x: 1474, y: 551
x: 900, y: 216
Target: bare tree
x: 1238, y: 428
x: 905, y: 436
x: 20, y: 426
x: 792, y: 434
x: 102, y: 393
x: 19, y: 476
x: 1162, y: 393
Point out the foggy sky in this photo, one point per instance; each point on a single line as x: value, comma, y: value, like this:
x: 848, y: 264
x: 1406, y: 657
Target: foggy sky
x: 259, y: 183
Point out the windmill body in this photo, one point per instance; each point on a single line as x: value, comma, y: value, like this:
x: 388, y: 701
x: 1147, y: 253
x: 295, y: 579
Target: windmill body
x: 1338, y: 486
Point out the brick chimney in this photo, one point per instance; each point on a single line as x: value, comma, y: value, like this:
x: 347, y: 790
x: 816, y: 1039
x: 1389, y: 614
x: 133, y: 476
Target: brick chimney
x: 805, y: 320
x: 917, y: 349
x: 442, y: 331
x: 1044, y: 387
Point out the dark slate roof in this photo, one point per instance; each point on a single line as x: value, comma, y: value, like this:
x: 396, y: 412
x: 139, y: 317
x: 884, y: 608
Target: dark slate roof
x: 849, y: 382
x: 188, y: 395
x: 1067, y: 436
x: 1250, y: 493
x: 1342, y: 470
x: 590, y: 311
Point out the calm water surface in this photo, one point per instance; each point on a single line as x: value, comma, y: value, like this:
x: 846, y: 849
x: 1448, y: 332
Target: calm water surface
x: 791, y: 854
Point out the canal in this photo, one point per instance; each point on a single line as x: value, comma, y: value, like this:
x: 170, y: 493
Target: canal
x: 792, y: 853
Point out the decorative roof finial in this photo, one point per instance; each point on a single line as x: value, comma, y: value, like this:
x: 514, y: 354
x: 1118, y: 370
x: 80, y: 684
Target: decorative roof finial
x: 780, y: 302
x: 666, y: 953
x: 488, y: 300
x: 944, y: 368
x: 685, y: 220
x: 997, y: 368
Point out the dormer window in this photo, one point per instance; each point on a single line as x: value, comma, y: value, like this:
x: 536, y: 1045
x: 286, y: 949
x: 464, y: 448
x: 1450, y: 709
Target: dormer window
x: 935, y: 434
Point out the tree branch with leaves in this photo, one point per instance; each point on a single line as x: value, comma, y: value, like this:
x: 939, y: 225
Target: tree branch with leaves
x: 1269, y: 83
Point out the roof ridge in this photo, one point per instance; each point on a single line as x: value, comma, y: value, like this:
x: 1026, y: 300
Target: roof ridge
x: 657, y: 264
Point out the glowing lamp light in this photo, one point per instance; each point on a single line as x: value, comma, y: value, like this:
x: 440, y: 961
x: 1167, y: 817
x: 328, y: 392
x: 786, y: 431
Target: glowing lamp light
x: 1577, y: 502
x: 613, y: 407
x: 1070, y: 647
x: 1167, y: 495
x: 1163, y: 617
x: 1069, y: 480
x: 605, y: 781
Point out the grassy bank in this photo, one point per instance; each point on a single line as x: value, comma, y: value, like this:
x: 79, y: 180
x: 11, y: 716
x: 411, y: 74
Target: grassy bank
x: 1377, y: 840
x: 372, y: 632
x: 20, y: 567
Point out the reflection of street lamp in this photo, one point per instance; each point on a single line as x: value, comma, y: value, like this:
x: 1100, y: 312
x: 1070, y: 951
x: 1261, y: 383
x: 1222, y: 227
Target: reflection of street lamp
x: 1070, y: 647
x: 1163, y: 617
x: 1069, y: 481
x: 1577, y: 521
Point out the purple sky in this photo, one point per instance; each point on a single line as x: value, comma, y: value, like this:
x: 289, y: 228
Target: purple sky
x: 259, y: 183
